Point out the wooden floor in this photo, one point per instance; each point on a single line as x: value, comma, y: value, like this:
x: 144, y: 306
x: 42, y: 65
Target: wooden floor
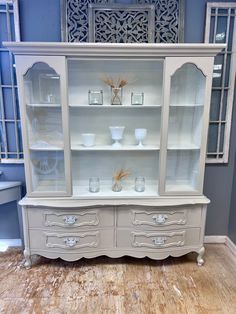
x: 125, y: 285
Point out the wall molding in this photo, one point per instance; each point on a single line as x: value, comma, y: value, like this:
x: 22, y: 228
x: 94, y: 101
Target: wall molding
x: 221, y: 239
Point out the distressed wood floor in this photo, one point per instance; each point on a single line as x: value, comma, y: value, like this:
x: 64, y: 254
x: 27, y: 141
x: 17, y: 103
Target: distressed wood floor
x: 125, y: 285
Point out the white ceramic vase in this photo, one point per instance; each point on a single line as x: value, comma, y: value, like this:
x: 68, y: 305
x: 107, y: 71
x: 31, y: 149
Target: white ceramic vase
x: 117, y: 134
x: 140, y: 135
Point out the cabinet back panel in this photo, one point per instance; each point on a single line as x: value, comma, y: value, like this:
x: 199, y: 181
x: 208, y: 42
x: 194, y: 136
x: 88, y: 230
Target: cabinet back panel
x: 98, y: 120
x: 142, y: 76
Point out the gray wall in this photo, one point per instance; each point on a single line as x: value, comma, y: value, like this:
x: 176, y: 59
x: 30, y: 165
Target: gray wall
x: 40, y: 21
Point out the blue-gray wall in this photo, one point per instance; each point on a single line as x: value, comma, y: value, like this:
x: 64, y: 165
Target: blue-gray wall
x: 40, y: 21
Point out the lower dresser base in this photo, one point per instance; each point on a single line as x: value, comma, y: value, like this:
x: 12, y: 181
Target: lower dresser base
x: 115, y: 231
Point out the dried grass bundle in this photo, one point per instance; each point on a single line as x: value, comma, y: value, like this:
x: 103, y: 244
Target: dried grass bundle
x: 114, y: 84
x: 121, y: 174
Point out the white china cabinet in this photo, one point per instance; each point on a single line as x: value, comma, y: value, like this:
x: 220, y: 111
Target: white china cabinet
x: 69, y: 125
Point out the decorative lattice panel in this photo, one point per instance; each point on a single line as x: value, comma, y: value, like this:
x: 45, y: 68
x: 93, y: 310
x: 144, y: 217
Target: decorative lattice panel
x: 119, y: 24
x: 125, y: 24
x: 75, y: 25
x: 168, y: 20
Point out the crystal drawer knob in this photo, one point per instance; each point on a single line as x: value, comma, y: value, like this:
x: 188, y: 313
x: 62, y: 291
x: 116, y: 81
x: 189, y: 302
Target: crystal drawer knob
x: 159, y: 219
x: 70, y: 220
x: 159, y: 240
x: 70, y: 242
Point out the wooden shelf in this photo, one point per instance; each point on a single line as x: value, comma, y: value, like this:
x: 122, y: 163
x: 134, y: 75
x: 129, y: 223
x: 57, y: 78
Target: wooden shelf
x: 37, y: 105
x: 46, y: 149
x: 106, y: 191
x: 183, y: 146
x: 80, y: 147
x: 186, y: 105
x: 114, y: 106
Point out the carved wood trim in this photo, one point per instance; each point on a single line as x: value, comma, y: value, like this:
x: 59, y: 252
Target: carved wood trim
x: 152, y: 236
x: 49, y: 223
x: 76, y: 236
x: 138, y: 222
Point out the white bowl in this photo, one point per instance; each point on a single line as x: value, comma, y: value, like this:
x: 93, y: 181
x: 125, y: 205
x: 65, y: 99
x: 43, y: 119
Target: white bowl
x: 88, y: 139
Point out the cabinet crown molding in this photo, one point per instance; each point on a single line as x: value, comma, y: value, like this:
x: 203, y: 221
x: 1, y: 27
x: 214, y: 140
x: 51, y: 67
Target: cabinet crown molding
x: 114, y: 49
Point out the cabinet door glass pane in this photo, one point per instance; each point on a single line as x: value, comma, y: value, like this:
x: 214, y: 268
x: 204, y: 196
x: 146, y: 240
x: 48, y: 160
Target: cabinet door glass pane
x: 44, y: 128
x: 185, y: 127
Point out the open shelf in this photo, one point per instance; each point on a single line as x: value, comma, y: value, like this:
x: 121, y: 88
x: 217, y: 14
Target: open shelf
x: 112, y: 148
x: 114, y: 106
x: 106, y: 191
x: 46, y: 149
x: 179, y: 187
x: 186, y: 105
x: 183, y: 146
x: 46, y: 105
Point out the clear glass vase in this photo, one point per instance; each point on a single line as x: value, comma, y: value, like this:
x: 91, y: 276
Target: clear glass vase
x: 116, y: 185
x: 116, y: 96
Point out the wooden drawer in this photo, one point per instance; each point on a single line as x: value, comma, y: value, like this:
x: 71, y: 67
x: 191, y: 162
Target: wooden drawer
x: 70, y: 218
x: 71, y: 241
x: 157, y: 240
x: 158, y: 218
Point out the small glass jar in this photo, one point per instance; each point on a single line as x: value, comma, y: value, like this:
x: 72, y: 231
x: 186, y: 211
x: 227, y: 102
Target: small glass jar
x: 116, y: 185
x: 140, y: 184
x: 116, y: 96
x: 137, y: 98
x: 94, y: 185
x: 95, y: 97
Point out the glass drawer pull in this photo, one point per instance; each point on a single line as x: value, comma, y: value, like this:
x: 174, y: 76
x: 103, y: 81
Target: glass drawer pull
x: 159, y: 219
x: 159, y: 240
x: 70, y: 220
x: 71, y: 241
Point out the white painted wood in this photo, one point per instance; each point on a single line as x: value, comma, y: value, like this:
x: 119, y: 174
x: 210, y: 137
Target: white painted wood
x: 59, y: 65
x: 112, y: 49
x: 111, y: 201
x: 170, y: 136
x: 74, y: 224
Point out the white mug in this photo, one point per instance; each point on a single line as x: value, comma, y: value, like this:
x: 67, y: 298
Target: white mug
x: 88, y: 139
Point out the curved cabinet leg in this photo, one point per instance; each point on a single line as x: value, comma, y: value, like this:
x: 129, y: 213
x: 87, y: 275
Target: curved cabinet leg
x: 28, y: 261
x: 200, y: 260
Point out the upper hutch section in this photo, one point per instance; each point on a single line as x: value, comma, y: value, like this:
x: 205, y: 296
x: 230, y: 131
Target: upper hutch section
x: 90, y: 110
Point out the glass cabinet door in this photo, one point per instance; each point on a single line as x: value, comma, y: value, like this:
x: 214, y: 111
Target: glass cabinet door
x: 44, y: 130
x: 185, y: 126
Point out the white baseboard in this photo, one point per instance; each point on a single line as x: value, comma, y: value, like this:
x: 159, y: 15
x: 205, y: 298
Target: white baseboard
x: 230, y: 244
x: 221, y: 239
x: 215, y: 239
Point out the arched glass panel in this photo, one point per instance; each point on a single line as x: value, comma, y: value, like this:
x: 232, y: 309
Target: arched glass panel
x: 185, y: 126
x: 44, y: 128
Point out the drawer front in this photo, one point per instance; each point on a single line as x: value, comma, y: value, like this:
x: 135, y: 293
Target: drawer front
x: 154, y: 218
x: 157, y: 240
x: 70, y: 219
x: 71, y: 241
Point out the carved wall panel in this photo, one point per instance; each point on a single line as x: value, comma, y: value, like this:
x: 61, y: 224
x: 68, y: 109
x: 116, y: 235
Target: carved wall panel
x: 125, y: 24
x: 121, y: 24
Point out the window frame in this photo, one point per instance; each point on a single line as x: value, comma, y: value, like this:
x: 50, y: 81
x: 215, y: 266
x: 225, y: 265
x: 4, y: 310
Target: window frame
x: 232, y: 72
x: 16, y: 120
